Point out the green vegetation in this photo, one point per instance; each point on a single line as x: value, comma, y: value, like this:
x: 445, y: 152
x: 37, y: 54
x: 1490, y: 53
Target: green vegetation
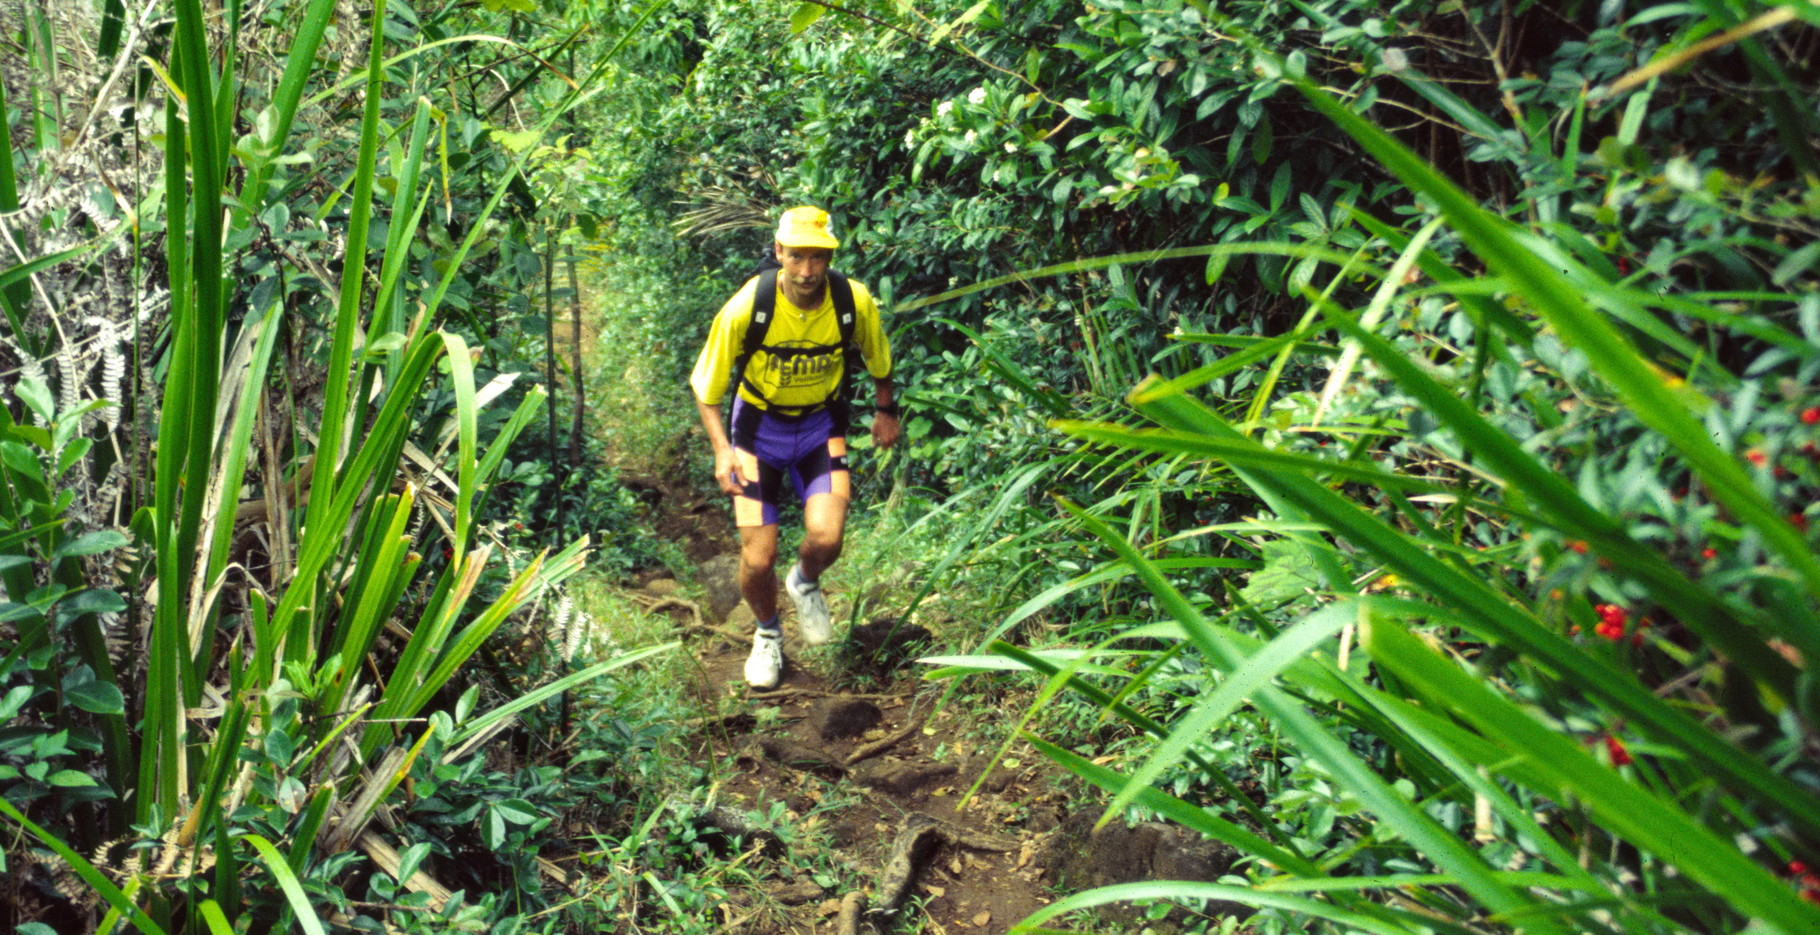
x: 1378, y: 436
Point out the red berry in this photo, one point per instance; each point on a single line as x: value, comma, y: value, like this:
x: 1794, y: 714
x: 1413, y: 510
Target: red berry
x: 1796, y: 867
x: 1577, y: 546
x: 1756, y: 457
x: 1709, y: 552
x: 1619, y: 755
x: 1810, y: 415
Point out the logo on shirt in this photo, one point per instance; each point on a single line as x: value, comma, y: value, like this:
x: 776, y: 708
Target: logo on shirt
x: 798, y: 364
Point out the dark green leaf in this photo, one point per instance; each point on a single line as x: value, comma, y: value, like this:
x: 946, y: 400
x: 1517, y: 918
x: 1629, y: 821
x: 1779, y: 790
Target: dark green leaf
x: 97, y: 697
x: 91, y: 543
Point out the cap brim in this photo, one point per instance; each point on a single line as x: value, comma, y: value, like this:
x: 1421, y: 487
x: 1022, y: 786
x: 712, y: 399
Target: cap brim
x: 826, y: 242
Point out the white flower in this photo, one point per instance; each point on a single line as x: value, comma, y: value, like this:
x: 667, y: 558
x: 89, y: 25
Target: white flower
x: 1011, y: 147
x: 944, y: 108
x: 976, y: 96
x: 909, y: 138
x: 970, y: 137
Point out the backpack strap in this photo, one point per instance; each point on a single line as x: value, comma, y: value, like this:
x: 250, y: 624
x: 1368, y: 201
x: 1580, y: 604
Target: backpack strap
x: 764, y: 308
x: 842, y: 292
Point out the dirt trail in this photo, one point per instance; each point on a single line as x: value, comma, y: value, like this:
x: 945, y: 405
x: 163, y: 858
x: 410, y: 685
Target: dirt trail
x: 866, y: 756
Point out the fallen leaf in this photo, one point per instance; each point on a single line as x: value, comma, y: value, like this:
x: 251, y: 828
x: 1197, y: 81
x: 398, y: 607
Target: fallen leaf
x: 1025, y: 854
x: 828, y: 907
x: 979, y: 921
x: 954, y: 865
x: 934, y: 890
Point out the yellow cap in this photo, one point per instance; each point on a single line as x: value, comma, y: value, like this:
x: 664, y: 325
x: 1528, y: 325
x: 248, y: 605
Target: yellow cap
x: 806, y: 226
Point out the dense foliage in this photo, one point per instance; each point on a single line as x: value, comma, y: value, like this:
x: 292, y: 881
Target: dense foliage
x: 1410, y: 409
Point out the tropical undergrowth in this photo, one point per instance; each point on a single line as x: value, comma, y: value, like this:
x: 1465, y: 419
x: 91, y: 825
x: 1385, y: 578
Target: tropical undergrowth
x: 1399, y: 417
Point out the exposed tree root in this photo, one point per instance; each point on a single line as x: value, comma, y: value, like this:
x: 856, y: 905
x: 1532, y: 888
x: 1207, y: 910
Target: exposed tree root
x: 852, y: 906
x: 912, y: 849
x: 775, y: 693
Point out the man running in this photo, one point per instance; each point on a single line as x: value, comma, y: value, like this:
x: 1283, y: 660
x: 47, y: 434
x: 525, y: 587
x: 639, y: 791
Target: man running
x: 791, y: 344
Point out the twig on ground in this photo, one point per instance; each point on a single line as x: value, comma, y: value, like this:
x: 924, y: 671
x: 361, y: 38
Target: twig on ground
x: 736, y: 924
x: 818, y: 693
x: 879, y: 746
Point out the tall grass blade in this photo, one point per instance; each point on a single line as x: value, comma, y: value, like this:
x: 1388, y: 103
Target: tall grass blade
x: 280, y: 868
x: 1191, y: 891
x: 1414, y: 825
x: 1663, y: 828
x: 1496, y: 619
x: 1565, y: 303
x: 1704, y: 612
x: 117, y: 900
x: 1256, y: 671
x: 329, y: 475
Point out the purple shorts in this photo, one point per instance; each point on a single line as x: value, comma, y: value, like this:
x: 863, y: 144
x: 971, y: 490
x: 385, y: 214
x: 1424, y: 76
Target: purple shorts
x: 769, y: 447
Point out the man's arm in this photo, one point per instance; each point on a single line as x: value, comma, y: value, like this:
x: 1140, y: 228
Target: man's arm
x: 885, y: 427
x: 723, y: 448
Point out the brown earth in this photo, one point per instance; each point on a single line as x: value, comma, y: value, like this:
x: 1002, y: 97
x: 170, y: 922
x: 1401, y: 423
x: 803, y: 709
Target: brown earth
x: 883, y: 770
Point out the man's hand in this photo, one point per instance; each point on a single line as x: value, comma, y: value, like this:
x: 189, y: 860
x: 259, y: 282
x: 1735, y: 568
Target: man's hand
x: 885, y: 429
x: 724, y: 474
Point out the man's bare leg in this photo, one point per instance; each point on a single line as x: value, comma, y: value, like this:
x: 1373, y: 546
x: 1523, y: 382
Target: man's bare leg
x: 757, y: 570
x: 824, y: 527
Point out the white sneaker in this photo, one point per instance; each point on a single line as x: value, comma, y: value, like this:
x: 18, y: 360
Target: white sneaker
x: 766, y: 664
x: 811, y: 607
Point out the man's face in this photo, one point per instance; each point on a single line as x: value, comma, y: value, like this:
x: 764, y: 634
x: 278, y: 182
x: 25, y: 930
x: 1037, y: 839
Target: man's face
x: 806, y: 268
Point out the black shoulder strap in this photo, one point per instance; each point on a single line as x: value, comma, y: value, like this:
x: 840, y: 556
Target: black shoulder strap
x: 842, y: 290
x: 764, y: 306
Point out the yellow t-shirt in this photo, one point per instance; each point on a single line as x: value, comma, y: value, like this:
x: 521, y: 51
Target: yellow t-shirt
x: 799, y: 365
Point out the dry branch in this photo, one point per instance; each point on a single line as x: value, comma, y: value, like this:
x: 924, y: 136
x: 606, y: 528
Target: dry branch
x: 877, y: 747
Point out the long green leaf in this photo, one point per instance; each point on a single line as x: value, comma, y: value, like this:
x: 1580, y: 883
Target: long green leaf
x: 300, y: 60
x: 1569, y: 310
x: 1302, y: 728
x: 1496, y: 619
x: 1251, y: 675
x: 1663, y: 828
x: 550, y: 690
x: 280, y: 868
x: 1704, y: 612
x: 328, y: 478
x: 1186, y: 890
x: 93, y: 877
